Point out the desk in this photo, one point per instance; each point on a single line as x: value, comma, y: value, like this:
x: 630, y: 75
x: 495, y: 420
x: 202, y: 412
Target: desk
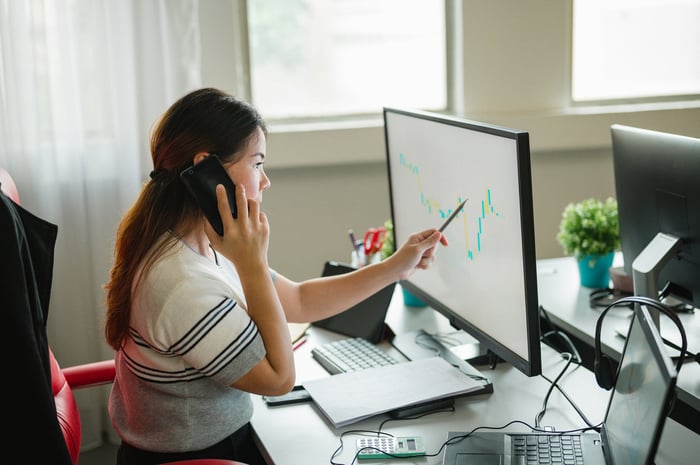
x: 300, y: 434
x: 566, y: 302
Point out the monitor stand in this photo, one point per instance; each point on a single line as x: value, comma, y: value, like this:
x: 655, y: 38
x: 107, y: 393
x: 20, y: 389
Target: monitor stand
x: 649, y: 263
x: 415, y: 345
x: 476, y: 354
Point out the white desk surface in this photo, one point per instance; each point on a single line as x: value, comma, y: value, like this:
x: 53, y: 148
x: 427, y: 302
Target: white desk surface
x: 300, y: 434
x: 566, y: 301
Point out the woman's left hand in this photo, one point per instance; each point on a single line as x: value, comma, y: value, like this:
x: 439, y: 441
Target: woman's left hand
x: 246, y: 238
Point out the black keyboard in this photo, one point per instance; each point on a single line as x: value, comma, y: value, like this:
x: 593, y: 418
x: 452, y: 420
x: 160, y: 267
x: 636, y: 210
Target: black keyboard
x: 350, y: 355
x: 544, y: 448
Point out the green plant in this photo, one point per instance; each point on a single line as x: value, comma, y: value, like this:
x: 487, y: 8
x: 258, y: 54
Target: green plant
x: 590, y: 227
x: 388, y: 246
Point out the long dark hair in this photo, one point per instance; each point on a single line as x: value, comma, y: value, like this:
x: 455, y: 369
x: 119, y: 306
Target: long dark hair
x: 205, y: 120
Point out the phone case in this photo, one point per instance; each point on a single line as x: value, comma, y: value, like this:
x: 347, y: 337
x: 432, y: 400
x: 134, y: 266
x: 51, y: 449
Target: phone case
x: 201, y: 181
x: 296, y: 395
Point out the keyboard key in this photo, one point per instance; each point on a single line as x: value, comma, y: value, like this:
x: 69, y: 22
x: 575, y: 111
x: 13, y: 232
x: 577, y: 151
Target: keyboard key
x: 542, y: 449
x: 350, y: 355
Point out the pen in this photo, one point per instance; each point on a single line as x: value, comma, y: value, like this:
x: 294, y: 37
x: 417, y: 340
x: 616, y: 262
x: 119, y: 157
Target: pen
x: 352, y: 239
x: 298, y: 343
x: 452, y: 215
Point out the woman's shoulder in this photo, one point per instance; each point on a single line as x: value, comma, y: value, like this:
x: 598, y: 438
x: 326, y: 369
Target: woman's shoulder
x: 179, y: 287
x: 179, y: 270
x: 180, y: 260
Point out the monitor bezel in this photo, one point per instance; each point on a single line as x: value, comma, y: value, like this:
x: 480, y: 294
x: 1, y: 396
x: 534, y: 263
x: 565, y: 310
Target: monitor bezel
x: 532, y: 366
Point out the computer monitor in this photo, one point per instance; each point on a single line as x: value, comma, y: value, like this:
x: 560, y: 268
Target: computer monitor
x: 657, y: 182
x: 485, y: 281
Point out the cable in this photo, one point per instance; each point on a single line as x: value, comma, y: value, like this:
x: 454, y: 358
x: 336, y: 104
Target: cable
x: 561, y: 334
x: 439, y: 347
x: 688, y: 354
x: 380, y: 432
x: 456, y: 439
x: 542, y: 411
x: 353, y: 431
x: 452, y: 440
x: 417, y: 340
x: 448, y: 339
x: 570, y: 400
x: 576, y: 359
x: 605, y: 296
x: 678, y: 293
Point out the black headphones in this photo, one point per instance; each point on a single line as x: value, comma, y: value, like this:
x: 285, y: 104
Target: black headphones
x: 602, y: 365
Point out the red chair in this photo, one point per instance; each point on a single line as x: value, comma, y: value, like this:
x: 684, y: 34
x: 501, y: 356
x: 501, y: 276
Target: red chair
x: 84, y: 376
x: 65, y: 380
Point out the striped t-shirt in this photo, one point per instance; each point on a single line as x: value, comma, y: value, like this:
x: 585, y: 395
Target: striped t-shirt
x: 190, y: 338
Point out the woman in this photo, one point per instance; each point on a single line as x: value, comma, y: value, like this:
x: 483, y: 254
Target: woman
x: 199, y: 320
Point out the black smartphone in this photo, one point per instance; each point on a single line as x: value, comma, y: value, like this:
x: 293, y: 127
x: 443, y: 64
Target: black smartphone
x: 296, y: 395
x: 201, y: 180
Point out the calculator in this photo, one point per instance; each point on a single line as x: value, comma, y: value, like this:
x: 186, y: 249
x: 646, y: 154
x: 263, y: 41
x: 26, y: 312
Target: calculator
x: 381, y: 447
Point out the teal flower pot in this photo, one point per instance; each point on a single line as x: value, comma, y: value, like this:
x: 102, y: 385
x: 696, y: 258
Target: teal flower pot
x: 411, y: 300
x: 594, y: 270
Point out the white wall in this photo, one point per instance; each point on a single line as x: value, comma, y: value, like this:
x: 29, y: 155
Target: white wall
x: 514, y: 68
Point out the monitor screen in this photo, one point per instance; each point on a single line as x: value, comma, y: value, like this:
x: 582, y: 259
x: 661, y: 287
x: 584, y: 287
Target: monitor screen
x: 657, y: 182
x: 484, y: 282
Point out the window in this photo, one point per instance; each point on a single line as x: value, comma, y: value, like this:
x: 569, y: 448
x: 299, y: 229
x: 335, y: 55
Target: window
x: 315, y: 58
x: 624, y: 49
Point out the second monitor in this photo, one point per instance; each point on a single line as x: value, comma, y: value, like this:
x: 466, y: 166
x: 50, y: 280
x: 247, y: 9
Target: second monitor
x: 658, y: 194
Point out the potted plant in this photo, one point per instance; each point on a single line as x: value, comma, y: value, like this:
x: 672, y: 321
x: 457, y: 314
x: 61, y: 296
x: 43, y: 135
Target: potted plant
x: 388, y: 245
x: 589, y: 230
x: 388, y: 248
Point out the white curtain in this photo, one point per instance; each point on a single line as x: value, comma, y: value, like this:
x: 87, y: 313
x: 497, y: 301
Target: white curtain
x: 81, y: 83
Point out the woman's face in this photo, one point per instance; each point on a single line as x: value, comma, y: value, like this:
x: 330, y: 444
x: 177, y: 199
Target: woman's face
x: 248, y: 170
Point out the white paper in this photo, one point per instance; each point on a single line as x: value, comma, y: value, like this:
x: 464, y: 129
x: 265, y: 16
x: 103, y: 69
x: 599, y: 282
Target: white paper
x: 350, y: 397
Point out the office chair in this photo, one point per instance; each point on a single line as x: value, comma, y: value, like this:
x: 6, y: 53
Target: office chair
x: 65, y: 380
x: 48, y: 426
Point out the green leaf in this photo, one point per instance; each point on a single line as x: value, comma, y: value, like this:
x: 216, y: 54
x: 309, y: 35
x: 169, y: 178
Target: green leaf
x: 590, y: 227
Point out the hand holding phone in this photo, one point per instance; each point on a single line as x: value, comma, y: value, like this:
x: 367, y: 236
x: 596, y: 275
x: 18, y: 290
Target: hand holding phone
x: 201, y: 180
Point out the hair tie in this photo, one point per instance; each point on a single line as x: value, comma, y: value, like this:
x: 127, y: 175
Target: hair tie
x: 158, y: 174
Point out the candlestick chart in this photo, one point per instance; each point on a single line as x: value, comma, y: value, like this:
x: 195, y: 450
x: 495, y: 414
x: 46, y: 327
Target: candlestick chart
x: 479, y: 211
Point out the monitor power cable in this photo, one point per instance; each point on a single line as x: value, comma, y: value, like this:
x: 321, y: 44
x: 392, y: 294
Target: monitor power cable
x: 573, y: 357
x: 554, y: 384
x: 555, y: 332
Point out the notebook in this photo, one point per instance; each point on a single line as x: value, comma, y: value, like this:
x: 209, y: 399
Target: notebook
x: 349, y: 397
x: 634, y: 420
x: 366, y: 319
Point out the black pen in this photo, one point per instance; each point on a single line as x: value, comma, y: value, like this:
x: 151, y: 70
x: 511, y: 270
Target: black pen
x: 452, y: 215
x: 352, y: 239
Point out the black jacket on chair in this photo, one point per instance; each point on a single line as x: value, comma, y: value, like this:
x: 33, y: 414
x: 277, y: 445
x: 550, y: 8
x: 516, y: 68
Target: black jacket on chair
x: 26, y: 271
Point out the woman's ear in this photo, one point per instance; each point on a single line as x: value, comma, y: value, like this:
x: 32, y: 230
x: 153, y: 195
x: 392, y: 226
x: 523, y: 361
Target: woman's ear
x: 199, y: 157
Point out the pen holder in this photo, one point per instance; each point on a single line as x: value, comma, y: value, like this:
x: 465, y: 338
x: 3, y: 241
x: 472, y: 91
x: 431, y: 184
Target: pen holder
x: 358, y: 258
